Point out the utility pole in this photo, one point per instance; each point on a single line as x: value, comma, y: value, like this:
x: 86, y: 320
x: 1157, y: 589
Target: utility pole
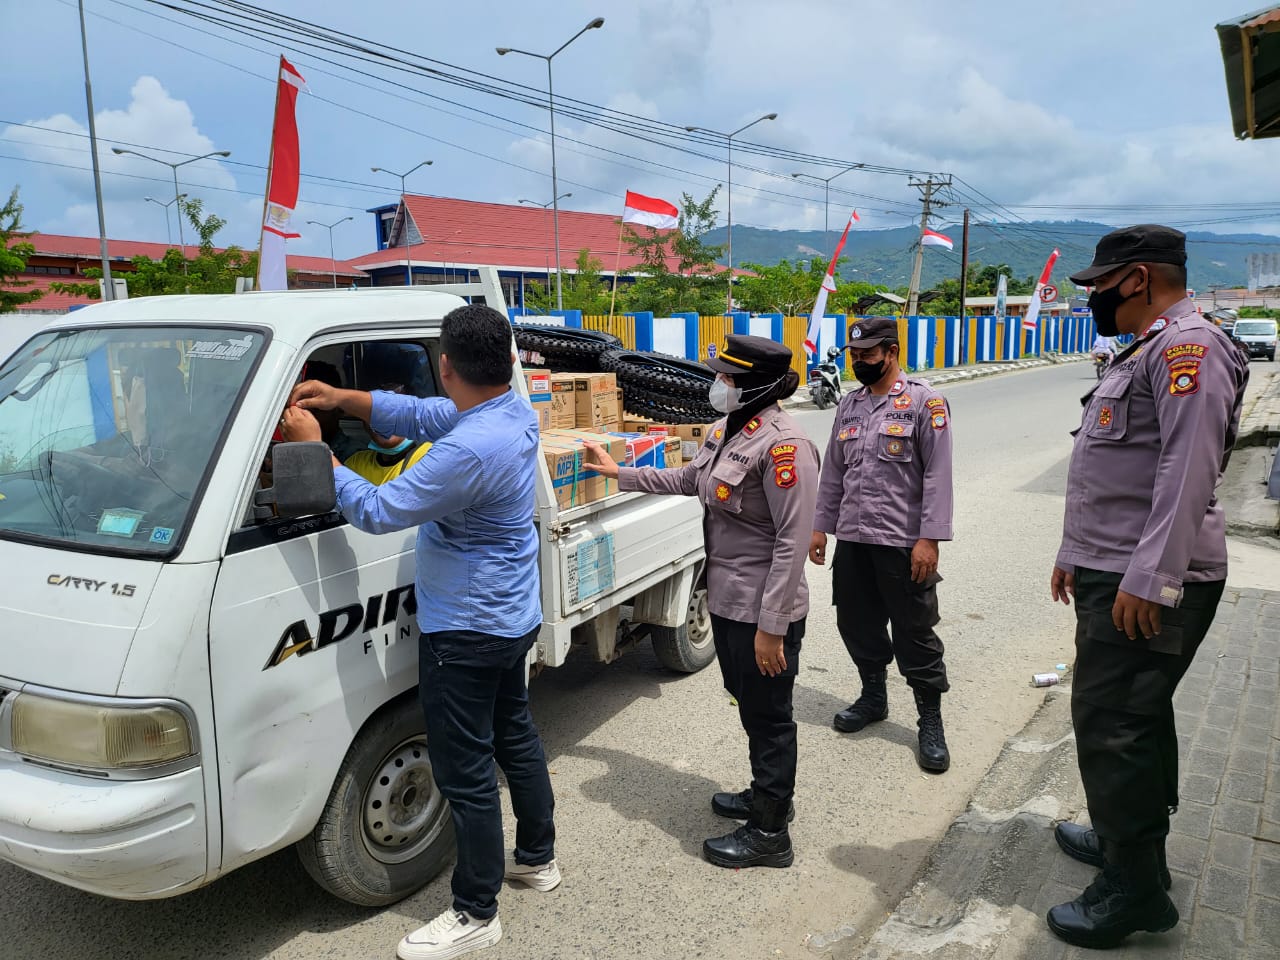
x: 108, y: 285
x: 964, y: 265
x: 927, y: 189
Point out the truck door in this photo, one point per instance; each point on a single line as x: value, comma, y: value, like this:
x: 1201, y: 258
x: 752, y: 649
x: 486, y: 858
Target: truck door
x: 312, y: 630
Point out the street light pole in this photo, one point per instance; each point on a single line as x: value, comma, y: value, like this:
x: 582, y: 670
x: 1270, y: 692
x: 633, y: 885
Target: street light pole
x: 826, y: 202
x: 404, y: 203
x: 333, y: 264
x: 595, y: 24
x: 120, y: 151
x: 108, y: 286
x: 535, y: 203
x: 729, y: 195
x: 168, y: 232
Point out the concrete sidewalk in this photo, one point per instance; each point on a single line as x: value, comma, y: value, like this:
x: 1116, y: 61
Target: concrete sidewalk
x: 985, y: 889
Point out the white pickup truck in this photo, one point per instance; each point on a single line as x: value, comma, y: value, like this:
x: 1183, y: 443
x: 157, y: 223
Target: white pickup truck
x: 190, y: 680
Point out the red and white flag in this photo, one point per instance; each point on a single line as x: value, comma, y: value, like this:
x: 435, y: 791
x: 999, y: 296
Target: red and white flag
x: 931, y: 238
x: 828, y: 287
x: 650, y: 211
x: 282, y: 181
x: 1032, y: 316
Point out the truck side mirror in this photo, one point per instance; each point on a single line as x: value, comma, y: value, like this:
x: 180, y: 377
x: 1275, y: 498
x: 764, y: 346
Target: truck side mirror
x: 303, y: 481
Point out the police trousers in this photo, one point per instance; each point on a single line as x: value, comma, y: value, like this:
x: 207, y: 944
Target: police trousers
x: 1122, y: 706
x: 871, y: 588
x: 764, y: 703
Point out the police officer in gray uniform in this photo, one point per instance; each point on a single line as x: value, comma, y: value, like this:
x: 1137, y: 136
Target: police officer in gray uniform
x: 757, y: 478
x: 1144, y: 554
x: 886, y: 495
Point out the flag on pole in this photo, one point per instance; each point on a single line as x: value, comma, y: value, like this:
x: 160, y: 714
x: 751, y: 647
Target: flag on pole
x: 650, y: 212
x: 1032, y: 315
x: 931, y: 238
x: 828, y: 287
x: 282, y: 181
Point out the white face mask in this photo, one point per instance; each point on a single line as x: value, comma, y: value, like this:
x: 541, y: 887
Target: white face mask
x: 723, y: 397
x: 727, y: 399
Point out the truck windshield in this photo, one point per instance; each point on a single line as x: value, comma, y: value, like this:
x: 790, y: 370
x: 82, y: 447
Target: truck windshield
x: 106, y: 435
x: 1255, y: 328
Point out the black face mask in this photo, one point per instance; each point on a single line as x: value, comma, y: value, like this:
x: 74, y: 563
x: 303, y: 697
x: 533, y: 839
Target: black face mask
x: 869, y: 373
x: 1104, y: 304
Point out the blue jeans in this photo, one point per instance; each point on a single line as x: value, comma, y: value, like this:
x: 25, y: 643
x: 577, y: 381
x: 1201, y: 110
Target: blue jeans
x: 477, y: 708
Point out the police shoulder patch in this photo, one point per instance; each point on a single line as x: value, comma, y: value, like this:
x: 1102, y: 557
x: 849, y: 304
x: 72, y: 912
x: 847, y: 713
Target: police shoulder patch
x: 934, y: 402
x: 784, y: 475
x: 939, y: 420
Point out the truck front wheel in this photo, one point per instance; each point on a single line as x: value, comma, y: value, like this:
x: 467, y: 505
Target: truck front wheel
x: 689, y: 647
x: 385, y: 831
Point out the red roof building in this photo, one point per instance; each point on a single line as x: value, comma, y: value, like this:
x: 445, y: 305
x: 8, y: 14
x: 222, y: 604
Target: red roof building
x: 60, y: 258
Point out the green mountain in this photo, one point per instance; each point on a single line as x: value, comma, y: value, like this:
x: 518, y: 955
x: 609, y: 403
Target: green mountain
x: 884, y: 256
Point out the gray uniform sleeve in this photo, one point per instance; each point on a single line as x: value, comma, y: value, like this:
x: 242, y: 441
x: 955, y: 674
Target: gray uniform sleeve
x: 1197, y: 384
x: 831, y: 487
x: 937, y: 498
x: 791, y: 499
x: 682, y: 481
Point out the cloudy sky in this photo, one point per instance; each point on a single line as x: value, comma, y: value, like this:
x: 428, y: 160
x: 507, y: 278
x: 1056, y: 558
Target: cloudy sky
x: 1089, y: 109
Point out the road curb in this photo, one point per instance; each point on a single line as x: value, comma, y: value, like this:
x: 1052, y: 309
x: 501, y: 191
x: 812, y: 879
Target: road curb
x: 1260, y: 423
x: 961, y: 374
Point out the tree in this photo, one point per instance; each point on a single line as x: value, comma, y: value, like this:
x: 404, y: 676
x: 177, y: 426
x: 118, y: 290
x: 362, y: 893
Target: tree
x: 13, y: 257
x: 210, y: 271
x: 584, y: 290
x: 783, y: 287
x: 698, y: 282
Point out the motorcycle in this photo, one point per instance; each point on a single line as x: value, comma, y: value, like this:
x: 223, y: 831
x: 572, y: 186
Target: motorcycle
x: 1100, y: 363
x: 824, y: 381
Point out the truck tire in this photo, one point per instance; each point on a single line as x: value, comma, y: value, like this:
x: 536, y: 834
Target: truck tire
x: 566, y: 349
x: 386, y: 830
x: 689, y: 647
x: 660, y: 373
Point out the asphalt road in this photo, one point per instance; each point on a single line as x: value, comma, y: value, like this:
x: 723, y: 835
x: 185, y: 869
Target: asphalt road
x: 636, y: 753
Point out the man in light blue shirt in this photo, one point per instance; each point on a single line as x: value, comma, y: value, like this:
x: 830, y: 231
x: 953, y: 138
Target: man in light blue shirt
x: 472, y: 499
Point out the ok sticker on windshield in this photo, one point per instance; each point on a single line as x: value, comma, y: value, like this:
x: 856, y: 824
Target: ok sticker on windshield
x: 119, y: 522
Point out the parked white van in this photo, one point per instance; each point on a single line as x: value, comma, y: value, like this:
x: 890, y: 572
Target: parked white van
x: 192, y: 675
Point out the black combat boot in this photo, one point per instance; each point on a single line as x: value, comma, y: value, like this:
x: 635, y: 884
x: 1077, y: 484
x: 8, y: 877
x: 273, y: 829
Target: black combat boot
x: 1081, y: 843
x: 763, y: 841
x: 933, y: 755
x: 1125, y: 898
x: 737, y: 806
x: 871, y: 707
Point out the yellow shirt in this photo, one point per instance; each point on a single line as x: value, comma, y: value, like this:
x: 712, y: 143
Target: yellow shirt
x: 365, y: 463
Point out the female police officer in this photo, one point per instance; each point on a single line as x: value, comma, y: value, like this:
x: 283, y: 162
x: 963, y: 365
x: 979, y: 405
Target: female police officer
x: 757, y: 477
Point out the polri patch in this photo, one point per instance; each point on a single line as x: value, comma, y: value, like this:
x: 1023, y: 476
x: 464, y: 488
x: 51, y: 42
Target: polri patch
x: 785, y: 475
x: 896, y: 429
x: 902, y: 402
x: 939, y: 420
x: 894, y: 447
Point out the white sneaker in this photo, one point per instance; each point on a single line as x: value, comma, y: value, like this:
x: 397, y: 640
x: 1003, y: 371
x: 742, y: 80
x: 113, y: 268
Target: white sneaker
x: 542, y: 878
x: 450, y: 935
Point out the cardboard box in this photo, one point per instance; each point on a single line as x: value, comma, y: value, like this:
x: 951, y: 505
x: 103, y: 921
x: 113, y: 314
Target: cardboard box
x: 563, y: 402
x: 564, y: 462
x: 596, y: 401
x: 591, y: 485
x: 538, y: 383
x: 692, y: 435
x: 675, y: 452
x: 634, y: 424
x: 644, y: 449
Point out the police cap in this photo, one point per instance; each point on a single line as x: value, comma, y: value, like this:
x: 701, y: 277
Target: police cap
x: 872, y: 331
x: 744, y: 354
x: 1145, y: 243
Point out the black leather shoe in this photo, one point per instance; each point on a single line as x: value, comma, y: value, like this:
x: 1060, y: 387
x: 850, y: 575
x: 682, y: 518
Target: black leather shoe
x: 871, y: 707
x: 933, y: 755
x: 1124, y: 899
x: 1081, y: 843
x: 737, y: 806
x: 750, y: 846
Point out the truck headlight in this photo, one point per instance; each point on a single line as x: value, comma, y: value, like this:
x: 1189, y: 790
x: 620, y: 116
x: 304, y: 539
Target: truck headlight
x: 96, y: 735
